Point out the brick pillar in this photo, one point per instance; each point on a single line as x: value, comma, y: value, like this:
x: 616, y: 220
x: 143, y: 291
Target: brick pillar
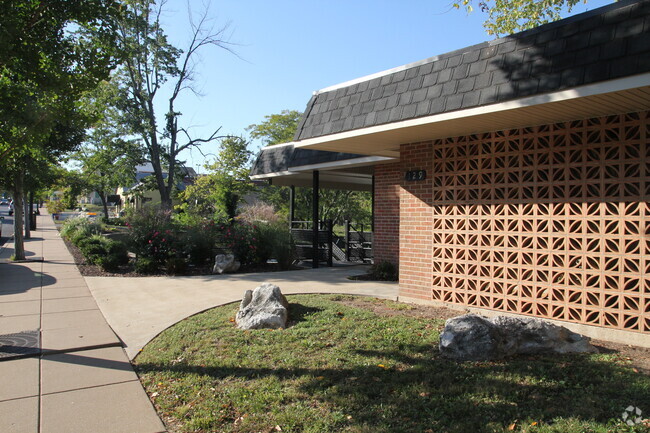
x: 415, y: 231
x: 387, y: 197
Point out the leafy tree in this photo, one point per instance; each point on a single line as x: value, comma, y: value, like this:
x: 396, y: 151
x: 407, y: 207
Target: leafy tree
x: 52, y: 52
x: 276, y: 128
x: 510, y: 16
x: 217, y: 194
x: 107, y: 159
x: 151, y: 62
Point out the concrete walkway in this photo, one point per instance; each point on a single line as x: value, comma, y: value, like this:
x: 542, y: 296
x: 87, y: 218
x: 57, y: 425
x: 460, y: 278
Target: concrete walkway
x: 62, y: 368
x: 138, y: 309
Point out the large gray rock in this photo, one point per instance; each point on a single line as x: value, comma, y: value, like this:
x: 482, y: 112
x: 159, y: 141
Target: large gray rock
x: 475, y: 338
x: 264, y: 307
x: 225, y: 263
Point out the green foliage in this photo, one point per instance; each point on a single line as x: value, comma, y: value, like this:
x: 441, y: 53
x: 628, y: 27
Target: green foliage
x: 217, y: 194
x: 79, y: 228
x: 146, y: 265
x: 153, y: 235
x: 106, y: 159
x: 243, y: 239
x: 54, y: 207
x: 342, y: 367
x: 276, y: 242
x: 276, y: 128
x: 384, y: 271
x: 106, y: 253
x: 200, y: 241
x: 510, y: 16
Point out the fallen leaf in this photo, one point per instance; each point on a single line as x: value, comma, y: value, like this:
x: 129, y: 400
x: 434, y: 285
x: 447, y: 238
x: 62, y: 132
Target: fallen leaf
x: 278, y: 428
x: 512, y: 426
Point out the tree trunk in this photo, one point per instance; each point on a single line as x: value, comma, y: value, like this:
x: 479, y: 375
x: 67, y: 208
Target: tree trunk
x: 102, y: 197
x: 19, y: 246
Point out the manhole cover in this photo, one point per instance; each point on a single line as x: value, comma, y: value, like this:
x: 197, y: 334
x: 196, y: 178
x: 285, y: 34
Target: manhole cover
x: 20, y: 345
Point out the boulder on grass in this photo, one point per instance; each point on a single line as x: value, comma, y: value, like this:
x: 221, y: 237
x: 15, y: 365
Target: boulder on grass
x: 225, y: 263
x: 476, y: 338
x: 262, y: 308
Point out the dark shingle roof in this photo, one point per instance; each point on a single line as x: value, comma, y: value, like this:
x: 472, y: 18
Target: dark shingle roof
x: 281, y: 158
x: 603, y: 44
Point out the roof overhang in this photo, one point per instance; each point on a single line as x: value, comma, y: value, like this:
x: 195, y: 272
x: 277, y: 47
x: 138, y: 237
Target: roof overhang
x: 611, y: 97
x: 349, y: 174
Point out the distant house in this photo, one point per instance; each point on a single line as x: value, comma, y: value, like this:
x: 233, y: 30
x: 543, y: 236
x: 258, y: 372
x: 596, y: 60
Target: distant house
x: 138, y: 194
x: 511, y: 176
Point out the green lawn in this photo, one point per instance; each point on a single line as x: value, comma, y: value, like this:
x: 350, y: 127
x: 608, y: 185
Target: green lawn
x: 338, y: 368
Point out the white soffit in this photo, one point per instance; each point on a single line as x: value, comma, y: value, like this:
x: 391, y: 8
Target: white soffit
x: 615, y: 96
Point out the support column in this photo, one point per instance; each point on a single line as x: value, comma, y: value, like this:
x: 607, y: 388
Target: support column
x: 372, y: 206
x: 314, y: 212
x: 292, y: 205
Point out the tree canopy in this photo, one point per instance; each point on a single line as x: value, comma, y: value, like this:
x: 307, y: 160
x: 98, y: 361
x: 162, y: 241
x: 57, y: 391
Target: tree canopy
x: 276, y: 128
x: 52, y: 52
x: 510, y: 16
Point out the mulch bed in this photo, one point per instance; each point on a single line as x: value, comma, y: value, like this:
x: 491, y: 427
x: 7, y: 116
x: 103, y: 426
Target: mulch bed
x: 90, y: 270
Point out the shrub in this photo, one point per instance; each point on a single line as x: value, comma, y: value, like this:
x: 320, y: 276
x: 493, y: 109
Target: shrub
x: 176, y: 266
x: 118, y: 250
x: 200, y: 242
x: 108, y: 263
x: 78, y: 228
x: 152, y: 235
x: 54, y: 206
x: 92, y: 247
x: 384, y: 271
x: 276, y: 242
x: 106, y: 253
x: 242, y: 239
x: 145, y: 265
x: 259, y: 212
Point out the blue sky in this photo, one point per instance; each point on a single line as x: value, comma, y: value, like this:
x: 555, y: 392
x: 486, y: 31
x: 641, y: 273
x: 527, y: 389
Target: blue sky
x: 286, y: 49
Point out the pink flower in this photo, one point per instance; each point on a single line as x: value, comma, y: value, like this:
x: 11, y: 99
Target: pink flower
x: 149, y: 240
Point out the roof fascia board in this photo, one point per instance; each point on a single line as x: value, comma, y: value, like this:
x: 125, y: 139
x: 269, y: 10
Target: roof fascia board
x: 346, y: 163
x: 273, y: 174
x: 601, y: 88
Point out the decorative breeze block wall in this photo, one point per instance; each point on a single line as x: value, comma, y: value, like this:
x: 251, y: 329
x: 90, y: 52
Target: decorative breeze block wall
x: 551, y: 221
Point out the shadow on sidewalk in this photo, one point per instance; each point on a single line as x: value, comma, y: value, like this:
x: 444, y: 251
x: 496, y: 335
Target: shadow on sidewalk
x: 17, y: 278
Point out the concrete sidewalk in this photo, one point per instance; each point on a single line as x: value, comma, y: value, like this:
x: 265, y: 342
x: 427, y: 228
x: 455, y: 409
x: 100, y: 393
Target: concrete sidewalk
x: 140, y: 308
x: 62, y: 368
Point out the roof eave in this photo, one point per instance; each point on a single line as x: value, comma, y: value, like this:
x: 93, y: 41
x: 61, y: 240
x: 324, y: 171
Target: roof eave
x: 593, y: 100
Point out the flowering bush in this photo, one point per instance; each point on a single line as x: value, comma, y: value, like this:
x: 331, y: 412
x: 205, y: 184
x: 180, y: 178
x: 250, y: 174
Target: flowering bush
x: 242, y: 239
x: 152, y: 235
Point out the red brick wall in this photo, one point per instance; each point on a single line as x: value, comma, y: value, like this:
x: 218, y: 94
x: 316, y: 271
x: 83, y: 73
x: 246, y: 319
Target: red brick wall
x: 386, y: 232
x: 415, y: 222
